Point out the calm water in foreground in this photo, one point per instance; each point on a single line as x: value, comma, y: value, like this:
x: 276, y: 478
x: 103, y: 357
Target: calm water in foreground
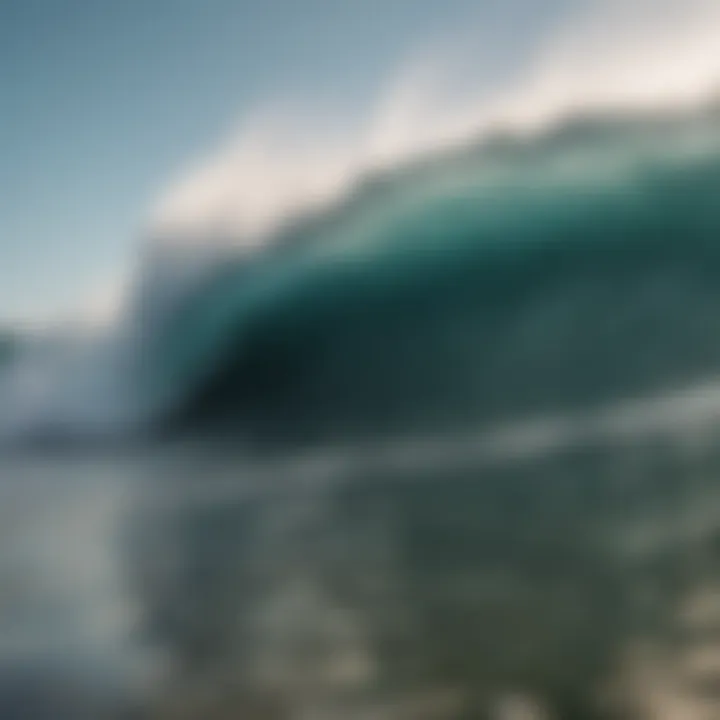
x: 530, y: 574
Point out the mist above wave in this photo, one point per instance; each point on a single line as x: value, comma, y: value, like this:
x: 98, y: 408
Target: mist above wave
x: 603, y: 58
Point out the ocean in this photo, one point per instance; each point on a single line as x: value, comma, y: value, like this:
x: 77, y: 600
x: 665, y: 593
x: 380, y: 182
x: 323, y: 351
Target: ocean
x: 445, y: 448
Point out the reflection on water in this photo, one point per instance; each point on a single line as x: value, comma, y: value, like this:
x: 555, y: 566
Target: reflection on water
x: 576, y: 580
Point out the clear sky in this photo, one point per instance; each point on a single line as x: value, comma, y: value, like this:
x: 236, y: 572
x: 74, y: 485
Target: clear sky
x: 104, y: 102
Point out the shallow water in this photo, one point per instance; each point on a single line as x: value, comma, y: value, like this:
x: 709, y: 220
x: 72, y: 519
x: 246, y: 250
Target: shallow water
x: 457, y: 578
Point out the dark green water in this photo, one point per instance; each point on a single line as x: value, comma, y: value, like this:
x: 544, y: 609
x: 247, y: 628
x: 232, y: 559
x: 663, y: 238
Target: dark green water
x: 505, y: 280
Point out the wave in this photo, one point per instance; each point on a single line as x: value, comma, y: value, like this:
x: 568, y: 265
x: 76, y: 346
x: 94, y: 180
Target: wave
x: 550, y: 248
x: 508, y: 278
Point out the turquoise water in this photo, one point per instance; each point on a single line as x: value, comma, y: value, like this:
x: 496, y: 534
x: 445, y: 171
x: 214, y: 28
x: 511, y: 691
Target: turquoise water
x: 499, y: 281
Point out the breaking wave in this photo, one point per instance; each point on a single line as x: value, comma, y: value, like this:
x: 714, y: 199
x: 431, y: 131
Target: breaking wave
x: 535, y: 252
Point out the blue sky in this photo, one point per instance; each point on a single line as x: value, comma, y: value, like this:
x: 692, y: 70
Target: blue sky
x: 104, y: 102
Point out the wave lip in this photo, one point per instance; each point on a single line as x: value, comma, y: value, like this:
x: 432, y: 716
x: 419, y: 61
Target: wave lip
x: 604, y: 58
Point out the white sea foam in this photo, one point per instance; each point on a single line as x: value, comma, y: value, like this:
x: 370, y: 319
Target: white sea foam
x: 613, y: 57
